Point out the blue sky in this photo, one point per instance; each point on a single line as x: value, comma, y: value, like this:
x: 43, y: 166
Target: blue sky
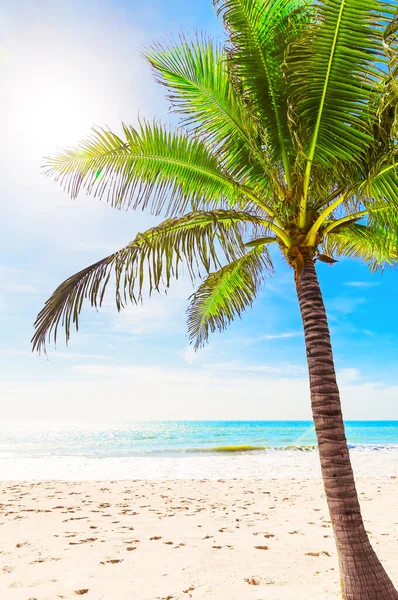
x: 65, y: 66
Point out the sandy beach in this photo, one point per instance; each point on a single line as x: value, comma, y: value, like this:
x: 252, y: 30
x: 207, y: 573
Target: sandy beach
x: 173, y: 540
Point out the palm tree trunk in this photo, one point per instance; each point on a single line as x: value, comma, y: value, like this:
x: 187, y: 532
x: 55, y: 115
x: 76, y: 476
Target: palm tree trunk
x: 362, y: 575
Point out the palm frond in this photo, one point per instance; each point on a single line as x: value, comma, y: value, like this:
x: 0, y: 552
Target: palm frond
x: 259, y: 32
x: 332, y: 74
x: 379, y: 192
x: 382, y: 182
x: 368, y: 243
x: 198, y: 240
x: 200, y: 91
x: 152, y: 166
x: 226, y: 294
x: 261, y: 241
x: 385, y: 130
x: 384, y: 217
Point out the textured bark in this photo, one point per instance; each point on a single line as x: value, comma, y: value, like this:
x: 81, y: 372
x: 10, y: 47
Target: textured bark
x: 362, y: 576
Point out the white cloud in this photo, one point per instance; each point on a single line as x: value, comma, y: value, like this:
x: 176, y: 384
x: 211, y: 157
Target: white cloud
x: 348, y: 375
x: 54, y: 354
x: 159, y: 314
x: 361, y: 284
x: 280, y: 336
x: 151, y: 317
x: 98, y: 247
x: 128, y: 393
x: 189, y: 354
x: 344, y: 305
x: 18, y: 281
x: 18, y: 288
x: 283, y: 335
x: 286, y: 369
x: 113, y: 393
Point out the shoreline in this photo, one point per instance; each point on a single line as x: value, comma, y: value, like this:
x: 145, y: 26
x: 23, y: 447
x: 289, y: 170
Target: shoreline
x: 212, y: 466
x: 156, y: 540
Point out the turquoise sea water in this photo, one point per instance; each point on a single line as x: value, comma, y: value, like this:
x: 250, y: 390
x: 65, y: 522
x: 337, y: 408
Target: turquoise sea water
x: 176, y: 438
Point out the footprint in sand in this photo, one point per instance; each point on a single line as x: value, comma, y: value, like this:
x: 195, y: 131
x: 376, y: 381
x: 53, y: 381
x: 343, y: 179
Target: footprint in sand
x: 16, y: 584
x: 88, y: 540
x: 7, y: 569
x: 112, y: 561
x: 252, y: 581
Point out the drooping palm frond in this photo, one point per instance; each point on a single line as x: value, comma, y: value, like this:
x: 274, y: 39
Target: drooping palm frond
x: 382, y: 182
x: 332, y: 73
x: 384, y: 217
x: 200, y: 91
x: 259, y: 32
x: 226, y: 294
x: 152, y: 166
x: 199, y: 240
x: 370, y: 244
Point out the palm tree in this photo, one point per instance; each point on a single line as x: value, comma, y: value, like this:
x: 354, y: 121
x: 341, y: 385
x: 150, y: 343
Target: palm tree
x: 288, y: 138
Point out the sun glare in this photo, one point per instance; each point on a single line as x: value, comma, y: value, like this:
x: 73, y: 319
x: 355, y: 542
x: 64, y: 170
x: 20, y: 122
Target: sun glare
x: 58, y: 115
x: 50, y: 110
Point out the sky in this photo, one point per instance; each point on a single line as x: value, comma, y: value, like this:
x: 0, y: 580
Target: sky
x: 68, y: 65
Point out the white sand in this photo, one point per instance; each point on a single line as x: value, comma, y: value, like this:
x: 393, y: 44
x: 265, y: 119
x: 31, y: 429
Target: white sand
x: 276, y: 464
x: 147, y: 540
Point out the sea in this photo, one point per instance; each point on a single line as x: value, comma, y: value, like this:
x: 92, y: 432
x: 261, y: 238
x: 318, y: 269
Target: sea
x: 186, y: 450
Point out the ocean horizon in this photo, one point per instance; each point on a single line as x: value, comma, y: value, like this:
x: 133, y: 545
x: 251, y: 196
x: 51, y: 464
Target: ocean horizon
x: 186, y: 449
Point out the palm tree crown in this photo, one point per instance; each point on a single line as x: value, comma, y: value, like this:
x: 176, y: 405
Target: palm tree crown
x: 288, y: 137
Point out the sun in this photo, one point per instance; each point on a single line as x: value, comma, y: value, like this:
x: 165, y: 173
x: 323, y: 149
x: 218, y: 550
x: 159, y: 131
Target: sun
x: 58, y: 115
x: 51, y: 111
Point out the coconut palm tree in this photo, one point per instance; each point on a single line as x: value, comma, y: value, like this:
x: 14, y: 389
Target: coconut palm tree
x: 288, y: 138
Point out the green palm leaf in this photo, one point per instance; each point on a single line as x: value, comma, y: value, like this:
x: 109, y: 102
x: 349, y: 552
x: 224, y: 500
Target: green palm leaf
x: 226, y: 293
x: 259, y: 32
x: 152, y: 166
x: 199, y: 240
x: 384, y: 216
x: 332, y: 74
x: 370, y: 244
x: 200, y: 91
x: 386, y: 128
x: 382, y: 183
